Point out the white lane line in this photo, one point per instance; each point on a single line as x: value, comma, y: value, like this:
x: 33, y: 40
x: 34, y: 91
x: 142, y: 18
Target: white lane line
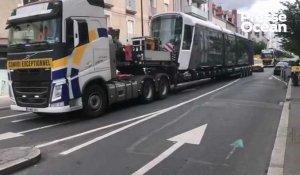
x: 280, y: 80
x: 278, y: 153
x: 26, y: 119
x: 92, y: 131
x: 45, y: 127
x: 76, y: 148
x: 16, y: 115
x: 108, y: 134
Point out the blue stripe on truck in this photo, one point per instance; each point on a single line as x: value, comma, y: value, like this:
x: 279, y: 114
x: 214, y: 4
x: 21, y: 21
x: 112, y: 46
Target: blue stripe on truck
x: 59, y: 74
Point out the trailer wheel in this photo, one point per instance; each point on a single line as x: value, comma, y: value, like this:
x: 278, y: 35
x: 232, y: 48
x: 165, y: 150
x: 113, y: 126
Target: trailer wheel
x: 94, y: 101
x: 242, y: 75
x: 163, y: 88
x: 247, y: 72
x: 147, y: 91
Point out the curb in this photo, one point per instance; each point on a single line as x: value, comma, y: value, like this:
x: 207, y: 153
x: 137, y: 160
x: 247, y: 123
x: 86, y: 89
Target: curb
x: 278, y: 153
x: 14, y: 159
x: 289, y: 91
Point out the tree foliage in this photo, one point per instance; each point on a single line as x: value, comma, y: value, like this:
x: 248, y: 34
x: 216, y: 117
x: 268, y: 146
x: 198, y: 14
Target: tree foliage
x: 259, y: 46
x: 290, y: 40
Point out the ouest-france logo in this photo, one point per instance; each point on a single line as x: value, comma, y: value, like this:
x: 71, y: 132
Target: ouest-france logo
x: 263, y: 23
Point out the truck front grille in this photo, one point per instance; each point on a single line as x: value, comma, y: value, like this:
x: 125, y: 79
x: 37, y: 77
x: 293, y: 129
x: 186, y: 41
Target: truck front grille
x: 32, y: 94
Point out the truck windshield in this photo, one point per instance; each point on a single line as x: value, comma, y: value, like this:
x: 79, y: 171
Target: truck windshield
x: 39, y: 32
x: 168, y: 29
x: 267, y: 55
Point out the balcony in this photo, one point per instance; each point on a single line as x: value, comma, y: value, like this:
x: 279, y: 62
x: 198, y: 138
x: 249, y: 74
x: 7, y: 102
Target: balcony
x: 152, y: 11
x: 199, y: 1
x: 108, y: 4
x: 131, y: 7
x: 196, y: 12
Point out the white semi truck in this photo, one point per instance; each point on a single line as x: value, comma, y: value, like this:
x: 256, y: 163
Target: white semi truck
x: 61, y: 58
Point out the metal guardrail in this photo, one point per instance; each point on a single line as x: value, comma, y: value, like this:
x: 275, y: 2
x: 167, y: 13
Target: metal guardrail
x: 286, y: 74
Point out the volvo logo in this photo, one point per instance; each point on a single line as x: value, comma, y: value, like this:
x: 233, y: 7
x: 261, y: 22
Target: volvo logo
x: 29, y: 56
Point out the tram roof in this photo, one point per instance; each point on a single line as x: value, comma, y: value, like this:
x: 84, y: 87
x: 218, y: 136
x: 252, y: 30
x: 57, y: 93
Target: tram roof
x: 199, y: 21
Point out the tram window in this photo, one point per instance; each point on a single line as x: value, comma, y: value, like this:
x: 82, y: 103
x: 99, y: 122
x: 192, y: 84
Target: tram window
x: 187, y: 40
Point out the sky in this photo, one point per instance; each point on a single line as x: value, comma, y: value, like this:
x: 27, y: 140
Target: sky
x: 254, y: 7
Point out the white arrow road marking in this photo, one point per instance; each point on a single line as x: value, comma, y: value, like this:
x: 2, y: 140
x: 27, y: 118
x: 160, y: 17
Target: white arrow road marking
x: 191, y: 137
x: 76, y: 148
x: 16, y: 115
x: 11, y: 135
x: 270, y: 78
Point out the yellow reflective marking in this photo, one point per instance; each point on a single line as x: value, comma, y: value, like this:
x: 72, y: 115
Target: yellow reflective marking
x: 92, y: 35
x: 78, y: 54
x: 60, y: 63
x: 30, y: 64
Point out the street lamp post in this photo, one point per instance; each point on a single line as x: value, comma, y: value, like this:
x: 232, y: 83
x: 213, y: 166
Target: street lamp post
x: 142, y: 16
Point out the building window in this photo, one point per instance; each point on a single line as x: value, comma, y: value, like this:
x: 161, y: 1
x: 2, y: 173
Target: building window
x: 130, y: 28
x: 29, y: 1
x: 153, y: 3
x: 166, y: 7
x: 108, y: 20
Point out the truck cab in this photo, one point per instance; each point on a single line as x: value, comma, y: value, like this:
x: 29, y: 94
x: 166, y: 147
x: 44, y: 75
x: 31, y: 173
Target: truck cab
x: 55, y: 49
x: 61, y: 59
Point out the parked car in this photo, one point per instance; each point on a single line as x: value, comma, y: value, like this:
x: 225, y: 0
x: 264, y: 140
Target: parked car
x: 279, y: 67
x: 258, y: 65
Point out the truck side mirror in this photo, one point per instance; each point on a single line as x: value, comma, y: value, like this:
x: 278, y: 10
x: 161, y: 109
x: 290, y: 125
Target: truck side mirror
x: 76, y: 33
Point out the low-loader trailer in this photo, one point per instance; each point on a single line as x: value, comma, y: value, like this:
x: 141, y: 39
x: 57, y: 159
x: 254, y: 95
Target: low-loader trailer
x: 61, y: 57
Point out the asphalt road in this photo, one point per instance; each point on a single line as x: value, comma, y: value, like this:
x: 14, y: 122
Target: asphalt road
x: 241, y: 111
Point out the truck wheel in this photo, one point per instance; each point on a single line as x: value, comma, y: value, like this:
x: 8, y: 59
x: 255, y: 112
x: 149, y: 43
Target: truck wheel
x: 94, y: 101
x: 147, y: 92
x: 163, y: 88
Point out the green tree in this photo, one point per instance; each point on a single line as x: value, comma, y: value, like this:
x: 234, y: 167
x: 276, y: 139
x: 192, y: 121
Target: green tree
x: 258, y: 47
x: 290, y: 40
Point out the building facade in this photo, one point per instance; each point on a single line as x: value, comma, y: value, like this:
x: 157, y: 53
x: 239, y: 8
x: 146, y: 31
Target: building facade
x: 127, y: 15
x: 196, y: 8
x: 6, y: 7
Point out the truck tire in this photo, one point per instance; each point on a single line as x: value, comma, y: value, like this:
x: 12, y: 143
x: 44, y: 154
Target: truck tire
x: 147, y: 91
x: 94, y: 101
x: 163, y: 88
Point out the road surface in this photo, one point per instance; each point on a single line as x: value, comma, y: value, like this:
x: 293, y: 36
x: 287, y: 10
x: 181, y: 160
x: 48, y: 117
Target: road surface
x: 238, y: 120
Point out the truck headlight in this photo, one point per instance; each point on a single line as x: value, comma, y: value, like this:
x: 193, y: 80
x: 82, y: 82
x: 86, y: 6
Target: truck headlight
x: 57, y: 92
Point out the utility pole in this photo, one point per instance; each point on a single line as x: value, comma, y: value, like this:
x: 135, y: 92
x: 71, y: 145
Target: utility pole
x: 142, y: 16
x: 210, y: 10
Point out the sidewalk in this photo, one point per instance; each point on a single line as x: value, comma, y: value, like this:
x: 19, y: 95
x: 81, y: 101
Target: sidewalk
x: 292, y: 153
